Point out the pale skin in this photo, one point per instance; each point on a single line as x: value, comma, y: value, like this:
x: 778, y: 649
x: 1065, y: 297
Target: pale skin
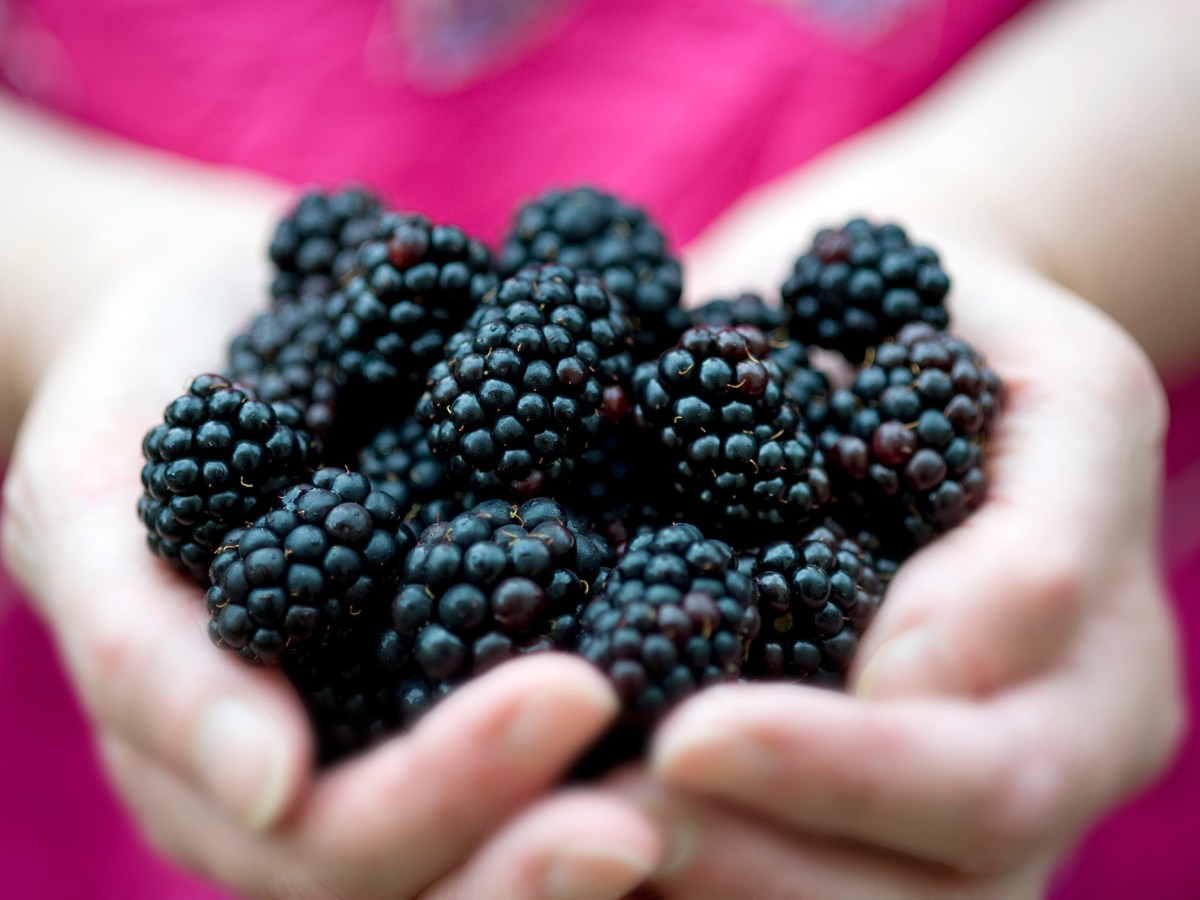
x: 1021, y: 679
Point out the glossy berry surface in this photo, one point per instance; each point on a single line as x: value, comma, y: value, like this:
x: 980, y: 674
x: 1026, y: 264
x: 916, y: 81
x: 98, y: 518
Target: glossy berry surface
x: 860, y: 284
x: 738, y: 452
x: 595, y: 232
x: 816, y: 596
x: 328, y: 553
x: 495, y: 582
x: 674, y: 616
x: 216, y: 461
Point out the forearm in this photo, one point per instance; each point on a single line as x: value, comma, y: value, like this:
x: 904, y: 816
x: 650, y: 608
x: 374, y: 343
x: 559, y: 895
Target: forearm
x: 80, y: 210
x: 1068, y: 140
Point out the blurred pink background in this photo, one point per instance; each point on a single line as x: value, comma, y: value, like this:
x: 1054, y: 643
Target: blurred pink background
x: 680, y: 106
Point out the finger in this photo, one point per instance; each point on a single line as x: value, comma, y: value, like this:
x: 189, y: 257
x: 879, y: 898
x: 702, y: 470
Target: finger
x: 996, y: 599
x: 972, y: 786
x: 137, y: 644
x: 186, y: 826
x: 132, y: 632
x: 417, y: 805
x: 581, y: 845
x: 189, y: 828
x: 715, y: 853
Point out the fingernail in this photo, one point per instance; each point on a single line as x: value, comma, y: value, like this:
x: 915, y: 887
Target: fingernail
x: 596, y: 871
x: 240, y: 756
x: 562, y: 710
x: 914, y: 663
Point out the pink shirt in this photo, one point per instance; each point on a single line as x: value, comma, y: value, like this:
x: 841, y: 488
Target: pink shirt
x: 679, y: 105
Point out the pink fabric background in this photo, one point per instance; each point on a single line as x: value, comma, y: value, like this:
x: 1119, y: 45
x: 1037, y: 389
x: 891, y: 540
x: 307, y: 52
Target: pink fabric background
x: 680, y: 105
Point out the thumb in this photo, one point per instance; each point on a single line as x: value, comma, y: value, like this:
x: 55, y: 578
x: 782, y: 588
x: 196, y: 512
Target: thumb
x: 1074, y: 463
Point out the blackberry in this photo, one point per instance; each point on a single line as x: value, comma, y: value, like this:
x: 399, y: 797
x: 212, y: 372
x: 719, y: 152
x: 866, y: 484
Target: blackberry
x: 595, y: 232
x: 739, y: 452
x: 907, y: 437
x: 495, y: 582
x: 745, y: 309
x: 578, y: 302
x: 804, y: 385
x: 350, y: 700
x: 412, y: 286
x: 674, y: 615
x: 816, y: 596
x: 519, y: 397
x: 325, y: 555
x: 398, y: 462
x: 281, y: 355
x: 314, y: 244
x: 859, y: 284
x: 217, y: 460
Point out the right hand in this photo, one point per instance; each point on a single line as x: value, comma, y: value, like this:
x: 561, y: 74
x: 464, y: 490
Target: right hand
x: 213, y: 757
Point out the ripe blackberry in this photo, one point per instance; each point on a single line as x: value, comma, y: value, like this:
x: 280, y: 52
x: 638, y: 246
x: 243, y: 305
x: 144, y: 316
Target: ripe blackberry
x: 518, y: 398
x: 578, y: 302
x: 412, y: 286
x: 281, y: 355
x: 595, y: 232
x: 816, y: 596
x: 739, y: 453
x: 909, y: 433
x: 217, y: 460
x: 861, y: 283
x: 674, y: 615
x: 398, y: 462
x: 314, y: 244
x: 804, y: 385
x: 303, y: 572
x: 495, y: 582
x: 350, y: 700
x: 745, y: 309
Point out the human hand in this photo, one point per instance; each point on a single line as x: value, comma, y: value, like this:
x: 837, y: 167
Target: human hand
x: 215, y: 758
x: 1021, y: 676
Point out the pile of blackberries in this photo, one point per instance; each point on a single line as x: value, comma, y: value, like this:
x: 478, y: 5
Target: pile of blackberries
x: 424, y: 459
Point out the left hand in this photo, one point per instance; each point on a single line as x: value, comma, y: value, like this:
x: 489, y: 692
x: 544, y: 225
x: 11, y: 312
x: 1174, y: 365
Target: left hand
x: 1020, y: 679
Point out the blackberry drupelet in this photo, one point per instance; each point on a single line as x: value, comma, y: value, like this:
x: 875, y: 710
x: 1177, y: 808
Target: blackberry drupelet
x: 314, y: 245
x: 861, y: 283
x: 518, y: 399
x: 740, y: 455
x: 745, y: 309
x: 595, y: 232
x: 412, y: 286
x: 674, y: 615
x: 816, y: 596
x: 217, y: 461
x: 281, y: 354
x: 495, y: 582
x: 350, y: 700
x: 328, y: 553
x: 908, y: 436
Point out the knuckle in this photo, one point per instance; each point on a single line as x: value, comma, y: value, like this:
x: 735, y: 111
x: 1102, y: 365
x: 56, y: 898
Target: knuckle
x: 1058, y: 582
x: 1021, y: 806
